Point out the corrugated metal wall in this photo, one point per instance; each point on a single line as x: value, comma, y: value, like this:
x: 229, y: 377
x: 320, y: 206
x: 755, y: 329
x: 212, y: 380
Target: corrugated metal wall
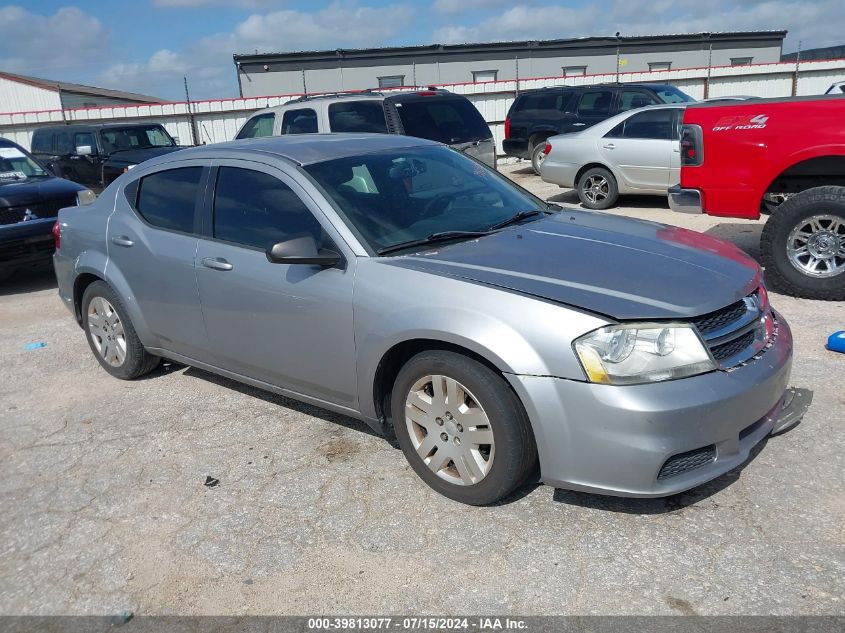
x: 219, y: 120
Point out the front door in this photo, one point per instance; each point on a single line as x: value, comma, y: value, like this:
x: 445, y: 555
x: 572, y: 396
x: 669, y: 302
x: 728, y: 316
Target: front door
x: 593, y: 107
x: 641, y: 148
x: 287, y: 325
x: 86, y: 167
x: 152, y: 242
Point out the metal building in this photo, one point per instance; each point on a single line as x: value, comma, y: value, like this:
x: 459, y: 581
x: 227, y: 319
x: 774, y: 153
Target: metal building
x: 264, y: 74
x: 21, y: 93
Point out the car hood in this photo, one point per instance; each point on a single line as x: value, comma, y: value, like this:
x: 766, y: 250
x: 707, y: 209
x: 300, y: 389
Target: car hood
x: 35, y: 190
x: 137, y: 156
x: 618, y: 267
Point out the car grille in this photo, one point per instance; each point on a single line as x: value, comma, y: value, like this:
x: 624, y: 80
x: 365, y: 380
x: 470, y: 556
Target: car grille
x: 734, y: 333
x: 685, y: 462
x: 46, y: 209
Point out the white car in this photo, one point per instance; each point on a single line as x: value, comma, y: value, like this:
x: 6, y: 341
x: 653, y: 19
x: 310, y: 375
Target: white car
x: 836, y: 89
x: 634, y: 152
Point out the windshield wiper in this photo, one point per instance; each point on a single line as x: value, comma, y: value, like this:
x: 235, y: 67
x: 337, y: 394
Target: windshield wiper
x: 518, y: 217
x: 442, y: 236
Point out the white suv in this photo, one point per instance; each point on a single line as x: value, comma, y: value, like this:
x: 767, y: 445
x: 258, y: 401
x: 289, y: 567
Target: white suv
x: 437, y: 115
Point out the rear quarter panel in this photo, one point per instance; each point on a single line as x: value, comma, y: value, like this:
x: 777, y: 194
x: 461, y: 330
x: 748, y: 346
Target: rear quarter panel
x: 749, y: 144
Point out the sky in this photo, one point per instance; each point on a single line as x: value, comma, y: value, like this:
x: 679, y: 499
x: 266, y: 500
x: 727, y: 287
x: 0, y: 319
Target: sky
x: 147, y: 46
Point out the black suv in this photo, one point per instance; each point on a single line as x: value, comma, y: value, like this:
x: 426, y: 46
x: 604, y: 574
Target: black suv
x: 94, y: 155
x: 538, y: 114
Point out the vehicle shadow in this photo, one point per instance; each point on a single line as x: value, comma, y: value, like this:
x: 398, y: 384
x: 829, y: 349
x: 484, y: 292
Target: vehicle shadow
x: 570, y: 196
x: 745, y: 235
x: 525, y: 171
x: 27, y: 280
x: 663, y: 505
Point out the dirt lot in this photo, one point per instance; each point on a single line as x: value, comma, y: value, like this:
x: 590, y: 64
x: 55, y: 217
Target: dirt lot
x: 104, y: 507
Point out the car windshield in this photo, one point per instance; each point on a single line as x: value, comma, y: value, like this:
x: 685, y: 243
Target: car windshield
x: 16, y: 165
x: 401, y: 195
x: 136, y: 137
x: 670, y: 94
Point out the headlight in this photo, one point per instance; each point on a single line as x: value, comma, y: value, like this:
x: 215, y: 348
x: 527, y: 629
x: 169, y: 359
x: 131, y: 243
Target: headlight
x: 86, y: 196
x: 643, y: 352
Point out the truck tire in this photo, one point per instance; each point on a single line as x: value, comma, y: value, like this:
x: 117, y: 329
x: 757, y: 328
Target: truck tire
x: 538, y: 155
x: 803, y: 244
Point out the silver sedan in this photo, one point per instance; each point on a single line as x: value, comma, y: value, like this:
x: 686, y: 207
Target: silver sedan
x: 634, y: 152
x: 397, y: 281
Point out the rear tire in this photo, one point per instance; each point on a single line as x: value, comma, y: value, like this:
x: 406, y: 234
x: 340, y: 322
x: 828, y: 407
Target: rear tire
x: 111, y: 336
x: 488, y: 450
x: 597, y: 189
x: 803, y: 244
x: 538, y: 155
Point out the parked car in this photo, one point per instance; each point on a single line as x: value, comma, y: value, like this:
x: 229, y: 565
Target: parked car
x: 739, y: 158
x: 94, y: 155
x: 636, y: 152
x: 435, y: 114
x: 30, y: 199
x: 400, y: 282
x: 537, y: 115
x: 837, y: 88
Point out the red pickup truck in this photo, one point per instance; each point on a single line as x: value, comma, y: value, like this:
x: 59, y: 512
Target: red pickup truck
x: 780, y: 156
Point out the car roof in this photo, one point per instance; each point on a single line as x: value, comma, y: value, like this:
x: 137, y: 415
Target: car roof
x: 303, y: 149
x: 364, y: 95
x: 93, y: 126
x: 652, y: 86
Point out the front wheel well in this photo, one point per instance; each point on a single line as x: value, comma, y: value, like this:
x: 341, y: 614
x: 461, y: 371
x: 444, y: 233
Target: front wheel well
x: 393, y: 360
x: 79, y: 285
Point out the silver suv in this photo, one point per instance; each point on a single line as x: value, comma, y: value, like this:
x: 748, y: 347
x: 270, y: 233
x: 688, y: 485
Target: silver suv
x: 434, y: 114
x: 397, y: 281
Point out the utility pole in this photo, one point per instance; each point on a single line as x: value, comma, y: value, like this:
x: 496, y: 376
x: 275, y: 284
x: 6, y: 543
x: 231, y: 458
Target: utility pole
x: 709, y: 66
x: 618, y: 44
x: 304, y: 85
x: 191, y: 119
x: 795, y: 74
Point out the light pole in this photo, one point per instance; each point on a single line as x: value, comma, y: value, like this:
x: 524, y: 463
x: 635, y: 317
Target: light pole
x: 618, y: 44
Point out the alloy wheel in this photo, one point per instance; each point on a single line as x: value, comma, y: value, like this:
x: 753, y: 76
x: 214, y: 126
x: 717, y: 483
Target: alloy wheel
x: 449, y: 430
x: 596, y: 189
x: 106, y: 331
x: 816, y: 246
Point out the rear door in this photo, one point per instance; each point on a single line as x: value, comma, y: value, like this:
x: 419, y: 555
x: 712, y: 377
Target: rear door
x: 594, y: 106
x: 641, y: 148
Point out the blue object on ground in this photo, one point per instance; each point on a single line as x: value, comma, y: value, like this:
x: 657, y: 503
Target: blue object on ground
x: 836, y: 342
x: 37, y: 345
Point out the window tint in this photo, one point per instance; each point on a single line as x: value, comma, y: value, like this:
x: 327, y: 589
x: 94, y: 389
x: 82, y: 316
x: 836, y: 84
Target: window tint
x: 260, y: 125
x: 447, y: 119
x: 84, y: 138
x: 544, y: 101
x: 653, y: 125
x: 631, y: 99
x: 63, y: 144
x: 42, y: 143
x: 301, y: 121
x: 166, y: 199
x: 670, y: 94
x: 255, y: 209
x: 357, y: 116
x: 595, y: 103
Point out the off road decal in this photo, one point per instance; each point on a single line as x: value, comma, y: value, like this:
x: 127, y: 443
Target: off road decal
x: 756, y: 122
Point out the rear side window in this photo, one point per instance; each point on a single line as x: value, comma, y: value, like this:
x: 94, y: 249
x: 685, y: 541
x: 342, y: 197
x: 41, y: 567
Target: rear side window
x: 447, y: 120
x: 595, y: 103
x: 255, y: 209
x: 63, y: 144
x: 260, y: 125
x: 167, y: 199
x: 357, y: 116
x: 42, y: 143
x: 300, y: 121
x: 657, y: 125
x: 543, y: 101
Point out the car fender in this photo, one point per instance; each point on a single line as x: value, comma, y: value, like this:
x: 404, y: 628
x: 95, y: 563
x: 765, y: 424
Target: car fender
x: 804, y: 154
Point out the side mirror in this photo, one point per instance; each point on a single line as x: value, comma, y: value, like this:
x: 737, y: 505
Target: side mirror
x: 84, y: 150
x: 301, y: 250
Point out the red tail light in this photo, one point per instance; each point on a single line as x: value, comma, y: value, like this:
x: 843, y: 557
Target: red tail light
x: 57, y: 234
x: 547, y: 149
x: 508, y: 127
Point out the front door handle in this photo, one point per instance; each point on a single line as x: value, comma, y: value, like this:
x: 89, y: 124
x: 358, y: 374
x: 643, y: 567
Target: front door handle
x: 122, y: 240
x: 578, y: 124
x: 609, y: 146
x: 216, y: 263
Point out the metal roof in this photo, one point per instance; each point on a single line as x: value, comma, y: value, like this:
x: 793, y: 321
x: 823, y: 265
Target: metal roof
x: 67, y: 86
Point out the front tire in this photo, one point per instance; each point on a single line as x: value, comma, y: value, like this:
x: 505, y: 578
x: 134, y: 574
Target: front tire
x: 111, y: 336
x: 803, y: 244
x: 461, y: 428
x: 597, y: 189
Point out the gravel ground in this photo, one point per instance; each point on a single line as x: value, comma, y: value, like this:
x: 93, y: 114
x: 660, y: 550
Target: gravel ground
x: 104, y: 508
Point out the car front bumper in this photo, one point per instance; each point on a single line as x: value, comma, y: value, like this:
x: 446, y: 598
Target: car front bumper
x: 685, y: 200
x: 616, y: 439
x: 26, y: 242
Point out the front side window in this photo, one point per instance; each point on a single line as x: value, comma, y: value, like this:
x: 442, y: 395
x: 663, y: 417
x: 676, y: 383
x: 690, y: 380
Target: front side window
x: 670, y: 94
x: 258, y: 126
x: 63, y: 147
x: 357, y: 116
x: 394, y: 196
x: 443, y: 119
x: 631, y: 99
x: 595, y: 103
x: 257, y: 210
x: 167, y: 199
x: 299, y: 121
x: 135, y: 137
x: 84, y: 138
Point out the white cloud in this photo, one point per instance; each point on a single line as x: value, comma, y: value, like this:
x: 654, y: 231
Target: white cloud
x: 181, y: 4
x: 464, y: 6
x: 524, y: 22
x: 49, y: 45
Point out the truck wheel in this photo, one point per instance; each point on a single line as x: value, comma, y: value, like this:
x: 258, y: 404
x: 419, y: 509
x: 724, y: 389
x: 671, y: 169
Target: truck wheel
x: 803, y: 244
x: 538, y: 155
x: 597, y: 189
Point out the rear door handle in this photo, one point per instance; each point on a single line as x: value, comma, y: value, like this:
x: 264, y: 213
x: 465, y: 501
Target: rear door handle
x: 578, y: 124
x: 609, y: 146
x: 216, y: 263
x: 122, y: 240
